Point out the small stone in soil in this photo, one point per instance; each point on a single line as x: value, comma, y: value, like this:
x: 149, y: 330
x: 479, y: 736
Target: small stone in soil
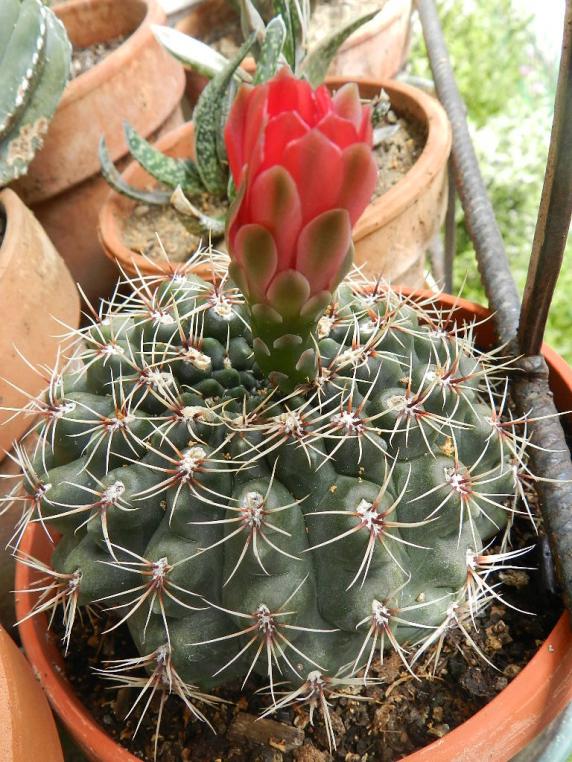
x: 84, y: 59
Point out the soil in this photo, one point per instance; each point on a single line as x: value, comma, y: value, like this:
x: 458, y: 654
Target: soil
x: 400, y: 146
x: 84, y: 59
x: 401, y: 716
x: 150, y: 229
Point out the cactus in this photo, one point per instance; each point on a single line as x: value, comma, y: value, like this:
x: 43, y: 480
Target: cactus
x: 248, y: 520
x: 188, y: 180
x: 35, y: 56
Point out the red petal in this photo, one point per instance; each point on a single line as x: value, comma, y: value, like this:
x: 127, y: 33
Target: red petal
x: 366, y: 130
x: 359, y: 179
x: 234, y: 131
x: 256, y: 116
x: 340, y: 131
x: 280, y: 131
x: 275, y: 203
x: 322, y: 248
x: 286, y: 93
x: 316, y: 167
x: 347, y: 104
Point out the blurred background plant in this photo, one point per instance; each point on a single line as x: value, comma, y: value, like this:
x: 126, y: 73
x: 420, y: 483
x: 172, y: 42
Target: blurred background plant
x: 505, y: 57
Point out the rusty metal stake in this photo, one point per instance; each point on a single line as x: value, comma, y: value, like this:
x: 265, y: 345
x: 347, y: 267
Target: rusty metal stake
x: 551, y: 462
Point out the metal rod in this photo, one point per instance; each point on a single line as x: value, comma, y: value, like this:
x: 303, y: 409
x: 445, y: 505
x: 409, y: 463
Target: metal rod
x: 479, y: 216
x: 555, y: 209
x: 550, y: 458
x: 450, y: 229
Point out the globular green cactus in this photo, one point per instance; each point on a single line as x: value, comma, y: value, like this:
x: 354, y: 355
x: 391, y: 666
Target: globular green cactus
x: 241, y: 531
x: 35, y: 56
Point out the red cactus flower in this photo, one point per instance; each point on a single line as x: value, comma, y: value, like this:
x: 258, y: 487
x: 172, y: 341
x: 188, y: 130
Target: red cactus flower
x: 303, y: 164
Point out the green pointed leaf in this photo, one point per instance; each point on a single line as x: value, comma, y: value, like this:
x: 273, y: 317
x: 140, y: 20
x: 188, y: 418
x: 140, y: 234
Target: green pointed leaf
x: 165, y: 169
x: 271, y: 50
x: 251, y: 21
x: 203, y: 223
x: 300, y: 17
x: 282, y: 9
x: 318, y: 60
x: 194, y: 54
x: 208, y: 116
x: 118, y: 184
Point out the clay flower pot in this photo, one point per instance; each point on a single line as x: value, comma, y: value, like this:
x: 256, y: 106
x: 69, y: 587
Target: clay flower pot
x: 28, y: 727
x: 138, y: 82
x: 377, y: 50
x: 37, y: 295
x: 497, y: 732
x: 392, y: 235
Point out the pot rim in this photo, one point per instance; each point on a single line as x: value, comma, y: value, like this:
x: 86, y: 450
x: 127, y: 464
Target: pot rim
x: 377, y: 214
x: 107, y: 68
x: 539, y: 674
x: 14, y: 210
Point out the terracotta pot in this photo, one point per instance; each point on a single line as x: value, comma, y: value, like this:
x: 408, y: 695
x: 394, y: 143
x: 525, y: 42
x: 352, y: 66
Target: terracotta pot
x: 494, y: 734
x: 394, y: 232
x: 28, y: 727
x: 37, y: 295
x: 138, y: 82
x: 378, y: 50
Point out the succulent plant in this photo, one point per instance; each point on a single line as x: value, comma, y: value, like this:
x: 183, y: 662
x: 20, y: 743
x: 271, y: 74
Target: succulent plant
x: 248, y: 509
x: 35, y: 56
x: 190, y: 181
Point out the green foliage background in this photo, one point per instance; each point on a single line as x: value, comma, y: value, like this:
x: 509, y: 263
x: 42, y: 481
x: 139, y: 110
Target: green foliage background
x: 509, y: 91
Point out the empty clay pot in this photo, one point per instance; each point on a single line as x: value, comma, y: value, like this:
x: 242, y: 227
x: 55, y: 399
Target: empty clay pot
x: 37, y: 296
x: 138, y: 82
x: 494, y: 734
x: 394, y: 232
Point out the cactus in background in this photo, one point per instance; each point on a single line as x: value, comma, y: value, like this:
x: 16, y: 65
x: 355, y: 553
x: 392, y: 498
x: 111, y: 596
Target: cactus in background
x: 35, y: 56
x: 190, y: 181
x: 244, y: 518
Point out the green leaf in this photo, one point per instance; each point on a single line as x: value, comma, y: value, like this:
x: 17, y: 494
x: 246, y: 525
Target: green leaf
x: 282, y: 9
x: 208, y: 116
x: 199, y: 222
x: 271, y: 50
x: 318, y: 60
x: 194, y: 54
x: 165, y: 169
x: 251, y: 21
x: 118, y: 184
x: 300, y: 18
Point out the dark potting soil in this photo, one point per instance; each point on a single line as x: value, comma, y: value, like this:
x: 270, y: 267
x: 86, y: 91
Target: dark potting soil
x: 84, y: 59
x: 402, y: 714
x: 150, y: 229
